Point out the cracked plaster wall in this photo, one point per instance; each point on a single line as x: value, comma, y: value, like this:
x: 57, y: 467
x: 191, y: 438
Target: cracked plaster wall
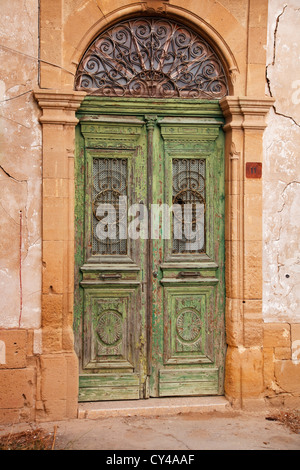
x: 281, y: 213
x: 20, y: 167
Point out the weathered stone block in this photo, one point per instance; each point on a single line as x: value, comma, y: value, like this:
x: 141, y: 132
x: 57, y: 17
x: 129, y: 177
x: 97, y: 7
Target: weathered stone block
x: 283, y: 353
x: 252, y: 372
x: 16, y: 388
x: 52, y: 310
x: 277, y: 335
x: 59, y: 387
x: 269, y: 376
x: 234, y: 322
x: 13, y: 349
x: 244, y: 373
x: 54, y: 377
x: 288, y: 376
x: 52, y: 340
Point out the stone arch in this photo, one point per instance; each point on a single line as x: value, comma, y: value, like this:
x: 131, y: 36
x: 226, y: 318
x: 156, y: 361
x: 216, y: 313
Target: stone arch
x: 232, y: 61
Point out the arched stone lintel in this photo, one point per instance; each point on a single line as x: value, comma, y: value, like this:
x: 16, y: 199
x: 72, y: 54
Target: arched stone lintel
x: 194, y: 21
x: 123, y: 62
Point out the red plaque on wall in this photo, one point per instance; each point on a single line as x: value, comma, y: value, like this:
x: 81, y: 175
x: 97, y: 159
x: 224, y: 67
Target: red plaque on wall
x: 253, y: 170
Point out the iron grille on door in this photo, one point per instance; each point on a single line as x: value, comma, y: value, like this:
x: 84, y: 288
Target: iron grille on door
x: 189, y: 195
x: 110, y: 183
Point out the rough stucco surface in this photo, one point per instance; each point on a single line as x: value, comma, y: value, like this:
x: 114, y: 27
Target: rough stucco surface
x: 281, y: 268
x: 20, y: 161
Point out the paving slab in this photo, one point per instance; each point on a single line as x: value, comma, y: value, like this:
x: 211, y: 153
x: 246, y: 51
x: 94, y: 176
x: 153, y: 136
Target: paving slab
x: 152, y: 407
x: 192, y: 431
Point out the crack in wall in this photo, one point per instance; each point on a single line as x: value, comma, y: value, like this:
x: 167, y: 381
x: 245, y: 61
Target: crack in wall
x: 275, y: 33
x: 14, y: 121
x: 17, y: 223
x: 99, y: 8
x: 12, y: 177
x: 285, y: 116
x: 283, y: 191
x: 37, y: 59
x: 17, y: 96
x: 268, y: 80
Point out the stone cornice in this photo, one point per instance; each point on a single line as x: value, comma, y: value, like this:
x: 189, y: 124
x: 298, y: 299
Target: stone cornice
x: 245, y: 112
x: 59, y: 107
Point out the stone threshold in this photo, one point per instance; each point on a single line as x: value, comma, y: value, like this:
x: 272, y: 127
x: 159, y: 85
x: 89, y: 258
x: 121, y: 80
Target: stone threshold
x: 152, y: 407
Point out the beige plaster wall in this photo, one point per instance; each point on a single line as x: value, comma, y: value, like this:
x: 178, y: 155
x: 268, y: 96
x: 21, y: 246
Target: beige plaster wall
x: 20, y: 166
x: 281, y: 188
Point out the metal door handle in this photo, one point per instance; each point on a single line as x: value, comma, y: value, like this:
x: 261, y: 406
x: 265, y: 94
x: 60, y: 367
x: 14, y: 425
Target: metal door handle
x: 110, y: 276
x: 190, y: 274
x: 155, y: 274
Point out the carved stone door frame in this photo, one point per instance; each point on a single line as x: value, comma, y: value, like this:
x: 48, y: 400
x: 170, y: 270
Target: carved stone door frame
x: 245, y: 123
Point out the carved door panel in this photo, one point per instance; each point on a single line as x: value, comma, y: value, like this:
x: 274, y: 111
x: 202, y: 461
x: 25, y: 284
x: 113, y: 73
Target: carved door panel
x: 149, y: 302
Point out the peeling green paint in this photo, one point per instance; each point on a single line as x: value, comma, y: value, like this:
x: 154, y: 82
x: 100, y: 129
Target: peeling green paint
x: 169, y: 322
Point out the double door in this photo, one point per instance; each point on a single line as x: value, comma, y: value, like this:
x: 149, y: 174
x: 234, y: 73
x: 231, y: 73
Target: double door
x: 149, y: 292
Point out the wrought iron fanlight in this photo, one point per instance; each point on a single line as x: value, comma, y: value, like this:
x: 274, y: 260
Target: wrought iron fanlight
x: 151, y: 57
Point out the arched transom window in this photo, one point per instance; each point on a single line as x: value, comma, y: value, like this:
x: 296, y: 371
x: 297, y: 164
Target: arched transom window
x: 151, y: 57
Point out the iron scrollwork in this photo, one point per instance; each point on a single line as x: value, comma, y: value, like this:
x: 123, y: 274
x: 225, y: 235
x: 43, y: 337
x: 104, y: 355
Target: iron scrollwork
x: 151, y: 57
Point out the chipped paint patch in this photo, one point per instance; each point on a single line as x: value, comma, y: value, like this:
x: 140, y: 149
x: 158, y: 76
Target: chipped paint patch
x: 296, y: 352
x: 37, y: 342
x: 2, y: 353
x: 2, y: 90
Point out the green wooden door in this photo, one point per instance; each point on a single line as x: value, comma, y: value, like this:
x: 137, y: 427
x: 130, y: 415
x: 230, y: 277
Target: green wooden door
x: 149, y: 295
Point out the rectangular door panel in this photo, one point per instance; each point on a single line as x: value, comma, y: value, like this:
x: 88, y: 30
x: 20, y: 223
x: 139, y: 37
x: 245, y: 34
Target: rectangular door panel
x: 189, y: 315
x: 109, y: 387
x: 109, y: 328
x: 188, y: 382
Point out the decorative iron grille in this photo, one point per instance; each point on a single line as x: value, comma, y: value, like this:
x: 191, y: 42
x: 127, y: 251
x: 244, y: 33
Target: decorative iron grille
x: 109, y: 185
x: 189, y: 196
x: 151, y: 57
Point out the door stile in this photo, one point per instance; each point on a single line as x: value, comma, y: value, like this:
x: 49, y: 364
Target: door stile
x: 150, y: 126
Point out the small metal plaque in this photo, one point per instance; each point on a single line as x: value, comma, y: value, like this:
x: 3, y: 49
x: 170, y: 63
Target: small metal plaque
x: 253, y: 170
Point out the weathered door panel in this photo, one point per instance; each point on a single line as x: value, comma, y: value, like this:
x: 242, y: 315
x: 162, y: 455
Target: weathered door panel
x: 111, y: 330
x: 149, y: 313
x: 188, y: 280
x: 109, y: 387
x: 188, y: 382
